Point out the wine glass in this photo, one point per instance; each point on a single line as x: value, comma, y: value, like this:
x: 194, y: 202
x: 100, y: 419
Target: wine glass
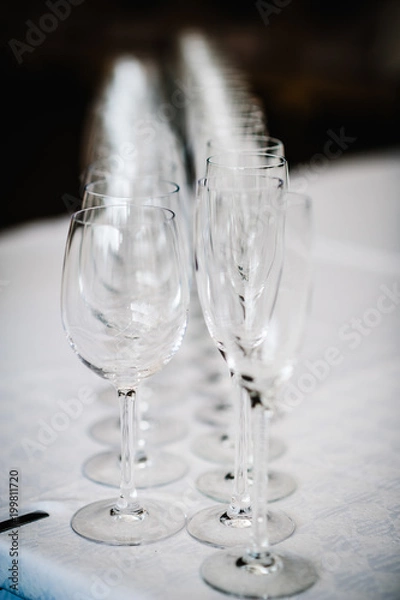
x: 124, y: 306
x: 260, y: 338
x: 239, y: 218
x: 295, y: 281
x: 155, y: 468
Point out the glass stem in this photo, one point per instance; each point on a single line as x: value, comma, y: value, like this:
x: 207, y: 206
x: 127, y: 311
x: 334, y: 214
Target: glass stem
x: 127, y: 501
x: 240, y: 502
x: 260, y: 426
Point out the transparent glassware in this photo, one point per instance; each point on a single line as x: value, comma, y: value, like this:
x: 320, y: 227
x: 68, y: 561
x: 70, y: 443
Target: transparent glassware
x: 238, y: 212
x: 241, y: 277
x: 219, y: 446
x: 295, y: 280
x: 124, y: 307
x: 155, y: 467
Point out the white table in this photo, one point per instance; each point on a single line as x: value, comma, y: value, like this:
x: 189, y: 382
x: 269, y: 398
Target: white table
x: 343, y: 438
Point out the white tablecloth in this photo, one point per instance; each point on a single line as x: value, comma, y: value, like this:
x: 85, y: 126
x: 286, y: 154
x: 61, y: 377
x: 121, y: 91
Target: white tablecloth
x: 342, y: 436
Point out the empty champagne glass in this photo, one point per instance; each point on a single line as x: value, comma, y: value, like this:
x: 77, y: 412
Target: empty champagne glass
x: 220, y: 413
x: 249, y: 167
x: 295, y: 281
x: 239, y: 218
x: 260, y: 336
x: 124, y: 306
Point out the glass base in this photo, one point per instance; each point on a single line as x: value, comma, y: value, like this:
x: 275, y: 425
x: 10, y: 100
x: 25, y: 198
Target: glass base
x: 282, y: 575
x: 155, y: 522
x: 218, y: 485
x: 219, y: 447
x: 210, y: 527
x: 159, y: 469
x: 154, y: 431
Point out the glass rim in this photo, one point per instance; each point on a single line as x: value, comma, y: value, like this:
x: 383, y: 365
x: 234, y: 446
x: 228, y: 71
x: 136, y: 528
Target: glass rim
x: 213, y: 160
x: 87, y: 189
x: 78, y: 216
x: 264, y: 143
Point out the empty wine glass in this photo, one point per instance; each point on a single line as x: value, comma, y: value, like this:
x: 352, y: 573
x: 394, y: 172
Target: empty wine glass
x: 238, y: 218
x: 155, y: 467
x: 124, y: 306
x: 260, y: 338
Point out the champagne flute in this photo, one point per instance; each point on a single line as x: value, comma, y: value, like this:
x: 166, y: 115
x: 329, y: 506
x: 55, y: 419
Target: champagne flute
x: 262, y: 357
x: 295, y: 281
x: 124, y: 306
x: 241, y: 193
x: 220, y: 412
x: 220, y: 446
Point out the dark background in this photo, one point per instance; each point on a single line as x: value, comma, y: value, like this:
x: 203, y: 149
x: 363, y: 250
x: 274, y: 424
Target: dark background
x: 316, y: 66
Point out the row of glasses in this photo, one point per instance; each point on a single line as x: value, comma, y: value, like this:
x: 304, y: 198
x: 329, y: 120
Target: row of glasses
x: 222, y: 114
x: 126, y: 176
x: 250, y: 289
x: 118, y: 119
x: 235, y: 120
x: 117, y: 328
x: 220, y: 97
x: 252, y: 571
x: 136, y: 159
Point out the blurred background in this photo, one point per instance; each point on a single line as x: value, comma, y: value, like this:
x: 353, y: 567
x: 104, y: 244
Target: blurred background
x: 317, y: 66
